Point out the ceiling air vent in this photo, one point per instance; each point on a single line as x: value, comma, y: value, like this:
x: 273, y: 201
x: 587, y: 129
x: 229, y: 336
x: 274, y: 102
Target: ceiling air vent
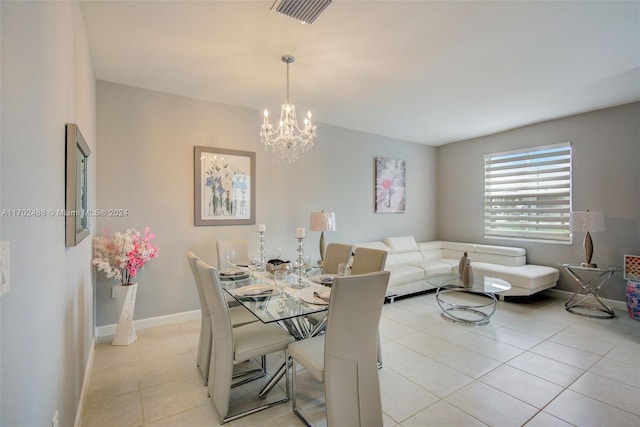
x: 305, y: 11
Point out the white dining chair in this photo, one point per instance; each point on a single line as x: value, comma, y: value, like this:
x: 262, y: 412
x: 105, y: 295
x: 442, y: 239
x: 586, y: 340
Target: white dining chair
x: 368, y: 260
x: 344, y: 357
x: 336, y: 253
x: 240, y: 247
x: 234, y: 345
x: 239, y: 316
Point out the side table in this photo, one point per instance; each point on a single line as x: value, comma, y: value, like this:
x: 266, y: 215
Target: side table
x: 589, y: 288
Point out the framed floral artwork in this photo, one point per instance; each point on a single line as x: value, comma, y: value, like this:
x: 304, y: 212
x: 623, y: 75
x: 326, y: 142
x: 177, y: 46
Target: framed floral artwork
x: 225, y: 185
x: 390, y: 185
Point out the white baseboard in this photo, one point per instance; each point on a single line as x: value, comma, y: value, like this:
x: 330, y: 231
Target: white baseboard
x: 618, y: 305
x: 107, y: 330
x: 85, y: 384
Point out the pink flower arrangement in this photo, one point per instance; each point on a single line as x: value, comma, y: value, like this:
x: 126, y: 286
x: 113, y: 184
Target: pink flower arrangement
x: 121, y: 255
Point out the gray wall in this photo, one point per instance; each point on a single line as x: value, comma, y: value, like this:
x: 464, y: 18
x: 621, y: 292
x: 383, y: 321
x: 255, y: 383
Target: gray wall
x: 606, y: 177
x: 47, y: 317
x: 145, y: 165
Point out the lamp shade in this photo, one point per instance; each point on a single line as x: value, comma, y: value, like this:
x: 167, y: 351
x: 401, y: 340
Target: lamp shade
x: 587, y: 221
x: 323, y: 221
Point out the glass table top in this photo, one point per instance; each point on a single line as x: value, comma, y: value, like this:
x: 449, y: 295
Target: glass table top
x: 482, y: 284
x: 277, y: 305
x: 599, y: 268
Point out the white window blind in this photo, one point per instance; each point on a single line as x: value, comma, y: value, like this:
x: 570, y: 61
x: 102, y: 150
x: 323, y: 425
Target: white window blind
x: 528, y: 194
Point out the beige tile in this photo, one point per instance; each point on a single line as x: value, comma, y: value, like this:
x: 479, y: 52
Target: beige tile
x: 532, y: 327
x: 583, y: 342
x: 581, y: 410
x: 565, y: 354
x: 626, y: 353
x: 514, y: 338
x: 435, y: 377
x: 424, y: 344
x: 391, y: 329
x: 545, y: 368
x: 466, y: 361
x: 402, y: 398
x: 201, y: 416
x: 442, y: 413
x: 124, y: 411
x: 623, y: 396
x: 493, y: 349
x: 173, y: 397
x: 105, y: 384
x: 109, y: 357
x: 452, y: 333
x: 491, y: 406
x: 167, y: 368
x: 415, y: 340
x: 530, y: 389
x: 396, y: 355
x: 542, y: 419
x: 618, y: 371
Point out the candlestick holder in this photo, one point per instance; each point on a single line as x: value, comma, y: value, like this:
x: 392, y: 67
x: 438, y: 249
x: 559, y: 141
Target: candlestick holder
x: 299, y: 264
x: 261, y: 252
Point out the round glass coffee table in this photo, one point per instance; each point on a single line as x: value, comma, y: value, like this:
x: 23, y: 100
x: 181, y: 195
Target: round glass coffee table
x: 472, y: 305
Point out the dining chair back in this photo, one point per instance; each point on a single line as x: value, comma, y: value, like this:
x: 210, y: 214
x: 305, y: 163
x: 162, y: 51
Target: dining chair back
x: 348, y: 367
x: 204, y: 344
x: 240, y: 247
x: 367, y: 260
x: 336, y: 253
x: 234, y: 345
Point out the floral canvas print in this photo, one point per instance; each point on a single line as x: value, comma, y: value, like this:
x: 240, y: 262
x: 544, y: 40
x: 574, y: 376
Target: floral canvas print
x: 225, y: 186
x: 390, y: 185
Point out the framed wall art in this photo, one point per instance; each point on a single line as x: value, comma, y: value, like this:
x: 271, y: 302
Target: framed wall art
x: 390, y: 185
x: 76, y: 197
x: 225, y: 185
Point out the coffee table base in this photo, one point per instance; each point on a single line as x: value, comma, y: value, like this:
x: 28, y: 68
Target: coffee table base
x: 466, y: 313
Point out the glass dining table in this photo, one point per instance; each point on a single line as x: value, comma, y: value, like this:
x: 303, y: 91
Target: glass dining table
x: 286, y: 305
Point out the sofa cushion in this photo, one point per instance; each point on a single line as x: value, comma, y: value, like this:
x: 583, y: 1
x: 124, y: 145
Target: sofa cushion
x: 372, y: 245
x: 402, y: 274
x: 500, y: 250
x: 401, y: 244
x: 433, y: 268
x: 513, y: 261
x: 527, y: 276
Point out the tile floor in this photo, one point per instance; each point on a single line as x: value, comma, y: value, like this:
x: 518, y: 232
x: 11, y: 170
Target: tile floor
x: 534, y: 364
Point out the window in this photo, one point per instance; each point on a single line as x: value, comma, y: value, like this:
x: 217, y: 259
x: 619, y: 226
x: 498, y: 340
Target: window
x: 528, y: 194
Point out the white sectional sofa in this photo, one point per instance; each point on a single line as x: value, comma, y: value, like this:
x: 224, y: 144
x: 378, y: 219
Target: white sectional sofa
x: 411, y: 263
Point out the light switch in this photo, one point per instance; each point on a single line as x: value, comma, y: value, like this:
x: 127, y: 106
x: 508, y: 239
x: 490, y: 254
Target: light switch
x: 5, y: 271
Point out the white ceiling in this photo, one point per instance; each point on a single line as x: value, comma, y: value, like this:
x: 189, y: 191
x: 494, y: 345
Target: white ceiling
x: 423, y: 71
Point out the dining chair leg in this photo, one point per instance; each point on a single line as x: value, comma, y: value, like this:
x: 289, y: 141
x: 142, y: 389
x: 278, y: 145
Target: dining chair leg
x: 260, y: 372
x: 294, y: 405
x: 262, y: 407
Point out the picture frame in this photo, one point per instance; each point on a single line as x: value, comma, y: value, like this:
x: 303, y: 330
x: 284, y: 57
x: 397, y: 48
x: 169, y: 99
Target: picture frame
x: 77, y: 153
x: 224, y: 186
x: 632, y: 267
x: 390, y: 185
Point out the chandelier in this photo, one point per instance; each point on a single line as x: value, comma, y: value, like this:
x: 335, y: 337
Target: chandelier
x: 288, y: 138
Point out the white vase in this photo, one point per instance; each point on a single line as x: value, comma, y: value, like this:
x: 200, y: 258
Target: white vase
x: 126, y: 300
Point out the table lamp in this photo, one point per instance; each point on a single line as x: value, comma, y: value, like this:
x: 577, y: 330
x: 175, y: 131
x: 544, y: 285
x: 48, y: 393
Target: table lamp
x: 588, y: 221
x: 322, y: 221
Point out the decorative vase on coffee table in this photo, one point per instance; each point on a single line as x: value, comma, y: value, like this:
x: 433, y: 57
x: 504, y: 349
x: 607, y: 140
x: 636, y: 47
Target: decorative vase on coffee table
x: 126, y: 301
